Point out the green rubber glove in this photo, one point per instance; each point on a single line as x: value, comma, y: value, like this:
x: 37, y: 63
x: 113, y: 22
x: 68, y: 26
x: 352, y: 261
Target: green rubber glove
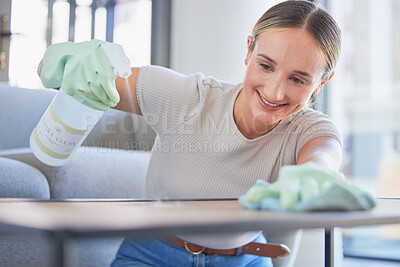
x: 307, y: 187
x: 83, y: 71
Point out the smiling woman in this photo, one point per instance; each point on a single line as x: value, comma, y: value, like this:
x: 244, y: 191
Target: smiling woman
x: 289, y: 58
x: 284, y: 67
x: 262, y: 124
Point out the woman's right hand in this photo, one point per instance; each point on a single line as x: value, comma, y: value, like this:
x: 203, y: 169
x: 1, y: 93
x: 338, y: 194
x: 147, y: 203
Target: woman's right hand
x: 83, y: 70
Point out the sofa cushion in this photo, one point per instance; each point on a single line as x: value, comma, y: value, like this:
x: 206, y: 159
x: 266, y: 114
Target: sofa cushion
x: 19, y: 180
x: 95, y: 173
x: 121, y: 130
x: 16, y: 127
x: 26, y: 250
x: 92, y: 252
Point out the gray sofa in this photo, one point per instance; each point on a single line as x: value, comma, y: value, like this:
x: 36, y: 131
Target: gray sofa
x: 112, y: 163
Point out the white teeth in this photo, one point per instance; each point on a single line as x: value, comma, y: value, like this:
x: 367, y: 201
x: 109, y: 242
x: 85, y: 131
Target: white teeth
x: 268, y: 103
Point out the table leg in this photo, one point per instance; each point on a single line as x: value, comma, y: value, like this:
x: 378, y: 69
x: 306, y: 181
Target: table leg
x: 58, y: 240
x: 329, y: 247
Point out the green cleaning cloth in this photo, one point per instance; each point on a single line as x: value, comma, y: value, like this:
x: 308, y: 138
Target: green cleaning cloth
x: 306, y: 187
x: 84, y: 72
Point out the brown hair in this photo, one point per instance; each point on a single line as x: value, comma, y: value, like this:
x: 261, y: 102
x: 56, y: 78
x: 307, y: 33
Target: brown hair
x: 307, y: 15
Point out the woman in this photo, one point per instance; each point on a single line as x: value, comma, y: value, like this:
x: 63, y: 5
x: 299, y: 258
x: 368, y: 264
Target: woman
x: 258, y: 126
x: 215, y: 139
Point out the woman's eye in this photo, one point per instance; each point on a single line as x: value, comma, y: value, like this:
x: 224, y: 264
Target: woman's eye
x: 265, y: 67
x: 297, y: 80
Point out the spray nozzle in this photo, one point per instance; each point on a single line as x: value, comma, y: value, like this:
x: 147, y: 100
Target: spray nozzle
x: 119, y: 61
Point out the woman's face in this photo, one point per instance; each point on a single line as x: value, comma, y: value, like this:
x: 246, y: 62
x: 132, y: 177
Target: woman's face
x: 283, y: 70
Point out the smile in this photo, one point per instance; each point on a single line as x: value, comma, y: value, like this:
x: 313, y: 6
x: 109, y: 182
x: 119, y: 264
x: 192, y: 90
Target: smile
x: 269, y: 103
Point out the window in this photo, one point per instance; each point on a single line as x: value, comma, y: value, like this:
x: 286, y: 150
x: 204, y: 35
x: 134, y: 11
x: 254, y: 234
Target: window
x: 364, y: 99
x: 28, y: 25
x: 129, y: 23
x: 133, y: 30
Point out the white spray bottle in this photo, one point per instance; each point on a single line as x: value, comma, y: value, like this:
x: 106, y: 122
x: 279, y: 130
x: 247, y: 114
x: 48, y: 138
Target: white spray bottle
x: 67, y: 122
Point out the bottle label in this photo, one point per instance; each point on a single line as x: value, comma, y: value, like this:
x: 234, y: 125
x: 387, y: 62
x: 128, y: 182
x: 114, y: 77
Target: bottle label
x: 54, y: 137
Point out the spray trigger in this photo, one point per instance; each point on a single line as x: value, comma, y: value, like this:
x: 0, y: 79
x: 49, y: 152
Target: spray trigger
x: 118, y: 59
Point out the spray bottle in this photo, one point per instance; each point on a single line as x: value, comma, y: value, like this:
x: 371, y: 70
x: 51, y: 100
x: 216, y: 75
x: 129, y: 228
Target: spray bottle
x: 66, y: 123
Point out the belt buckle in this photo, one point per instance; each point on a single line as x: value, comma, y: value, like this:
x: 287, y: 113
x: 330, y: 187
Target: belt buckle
x: 193, y: 252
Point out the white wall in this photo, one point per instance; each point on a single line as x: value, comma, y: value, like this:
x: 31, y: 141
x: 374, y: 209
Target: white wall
x: 210, y: 36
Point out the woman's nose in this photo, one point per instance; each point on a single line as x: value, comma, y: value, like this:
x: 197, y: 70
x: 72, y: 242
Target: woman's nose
x: 275, y: 89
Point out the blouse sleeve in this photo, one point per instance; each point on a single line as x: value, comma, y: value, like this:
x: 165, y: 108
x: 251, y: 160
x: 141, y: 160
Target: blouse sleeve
x: 167, y: 98
x: 312, y: 124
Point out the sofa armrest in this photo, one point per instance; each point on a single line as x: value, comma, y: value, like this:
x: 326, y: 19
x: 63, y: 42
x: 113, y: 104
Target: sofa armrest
x: 19, y: 180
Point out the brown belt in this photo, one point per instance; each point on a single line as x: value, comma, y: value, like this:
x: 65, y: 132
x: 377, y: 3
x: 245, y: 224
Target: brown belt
x: 265, y: 250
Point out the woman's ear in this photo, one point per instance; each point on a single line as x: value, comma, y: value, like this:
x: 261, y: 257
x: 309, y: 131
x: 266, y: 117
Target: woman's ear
x: 316, y: 91
x: 249, y: 42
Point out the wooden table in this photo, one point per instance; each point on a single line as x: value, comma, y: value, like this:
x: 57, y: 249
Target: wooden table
x: 95, y: 218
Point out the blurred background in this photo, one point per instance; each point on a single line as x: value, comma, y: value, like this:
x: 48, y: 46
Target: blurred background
x: 209, y: 36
